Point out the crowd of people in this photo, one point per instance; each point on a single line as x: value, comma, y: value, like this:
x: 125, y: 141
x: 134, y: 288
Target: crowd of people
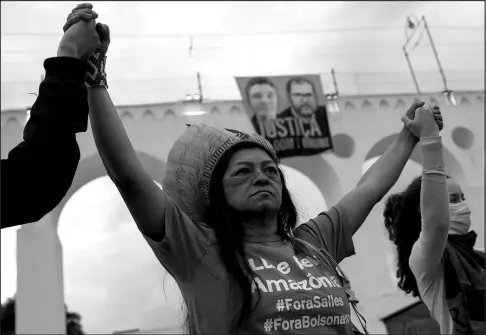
x: 225, y: 225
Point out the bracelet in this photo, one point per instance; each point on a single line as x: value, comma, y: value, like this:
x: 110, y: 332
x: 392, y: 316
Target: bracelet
x: 96, y: 75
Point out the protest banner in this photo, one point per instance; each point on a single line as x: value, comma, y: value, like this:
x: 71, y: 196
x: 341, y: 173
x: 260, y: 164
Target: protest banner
x: 289, y: 111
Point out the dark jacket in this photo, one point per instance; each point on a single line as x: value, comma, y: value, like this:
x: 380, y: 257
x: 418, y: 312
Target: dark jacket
x: 39, y: 171
x: 465, y: 282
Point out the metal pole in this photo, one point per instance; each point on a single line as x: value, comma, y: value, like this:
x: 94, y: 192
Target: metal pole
x: 435, y: 53
x: 199, y: 87
x: 411, y: 69
x: 191, y: 44
x: 336, y: 91
x: 412, y: 34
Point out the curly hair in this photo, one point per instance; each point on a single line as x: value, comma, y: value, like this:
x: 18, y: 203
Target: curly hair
x: 403, y: 221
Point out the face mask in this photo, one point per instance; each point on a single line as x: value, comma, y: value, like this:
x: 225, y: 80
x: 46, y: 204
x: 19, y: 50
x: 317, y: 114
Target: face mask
x: 460, y: 218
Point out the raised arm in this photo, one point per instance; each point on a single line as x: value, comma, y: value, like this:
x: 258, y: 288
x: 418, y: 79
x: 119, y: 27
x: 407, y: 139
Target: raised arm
x: 144, y: 199
x: 39, y: 171
x: 142, y: 196
x: 381, y: 176
x: 434, y: 208
x: 177, y: 241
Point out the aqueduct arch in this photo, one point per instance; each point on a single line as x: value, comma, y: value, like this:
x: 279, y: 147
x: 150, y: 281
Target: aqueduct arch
x: 452, y: 165
x: 367, y: 124
x: 34, y: 317
x: 91, y: 168
x: 317, y: 169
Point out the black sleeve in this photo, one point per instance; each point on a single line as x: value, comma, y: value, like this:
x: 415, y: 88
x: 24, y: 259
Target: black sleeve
x: 39, y: 171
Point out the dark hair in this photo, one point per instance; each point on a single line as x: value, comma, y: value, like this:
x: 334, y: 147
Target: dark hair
x: 258, y: 81
x: 299, y: 80
x: 403, y: 222
x: 230, y: 232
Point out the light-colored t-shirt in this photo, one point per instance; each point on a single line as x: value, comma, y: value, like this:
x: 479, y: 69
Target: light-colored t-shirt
x: 426, y: 260
x: 431, y: 286
x: 296, y: 297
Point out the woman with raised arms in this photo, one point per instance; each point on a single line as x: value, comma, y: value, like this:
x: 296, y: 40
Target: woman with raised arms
x: 224, y: 225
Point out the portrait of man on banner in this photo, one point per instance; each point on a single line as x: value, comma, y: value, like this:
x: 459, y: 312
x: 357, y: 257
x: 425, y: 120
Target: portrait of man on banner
x: 289, y: 111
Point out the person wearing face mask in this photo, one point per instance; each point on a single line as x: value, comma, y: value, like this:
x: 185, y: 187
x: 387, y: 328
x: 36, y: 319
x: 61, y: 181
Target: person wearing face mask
x: 460, y: 221
x: 430, y: 224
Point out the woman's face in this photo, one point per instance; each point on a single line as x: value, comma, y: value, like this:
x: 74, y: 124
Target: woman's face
x: 252, y: 182
x: 455, y: 192
x: 460, y: 219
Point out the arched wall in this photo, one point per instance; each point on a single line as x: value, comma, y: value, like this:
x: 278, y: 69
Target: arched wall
x: 317, y: 169
x: 452, y: 165
x: 91, y: 168
x: 368, y: 123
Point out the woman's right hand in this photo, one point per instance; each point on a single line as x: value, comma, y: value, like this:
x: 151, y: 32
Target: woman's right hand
x: 424, y: 124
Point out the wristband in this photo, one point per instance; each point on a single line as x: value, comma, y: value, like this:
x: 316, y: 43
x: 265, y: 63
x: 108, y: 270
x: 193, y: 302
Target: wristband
x: 96, y: 75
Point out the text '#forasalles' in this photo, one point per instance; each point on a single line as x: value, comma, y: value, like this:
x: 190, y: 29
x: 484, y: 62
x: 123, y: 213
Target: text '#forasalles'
x: 289, y: 304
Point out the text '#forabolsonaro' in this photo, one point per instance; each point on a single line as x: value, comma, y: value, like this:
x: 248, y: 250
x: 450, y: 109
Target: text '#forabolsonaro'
x: 304, y: 322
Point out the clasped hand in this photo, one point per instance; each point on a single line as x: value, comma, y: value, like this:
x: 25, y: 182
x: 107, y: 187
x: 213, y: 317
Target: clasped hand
x: 423, y: 121
x: 82, y: 35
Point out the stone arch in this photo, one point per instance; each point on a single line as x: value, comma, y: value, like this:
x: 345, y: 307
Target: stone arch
x: 215, y: 110
x: 92, y: 167
x: 169, y: 113
x: 12, y: 120
x: 148, y: 115
x: 464, y: 102
x: 452, y: 164
x: 322, y: 174
x: 235, y: 110
x: 400, y: 105
x: 384, y: 104
x: 367, y: 106
x: 126, y: 115
x: 349, y: 106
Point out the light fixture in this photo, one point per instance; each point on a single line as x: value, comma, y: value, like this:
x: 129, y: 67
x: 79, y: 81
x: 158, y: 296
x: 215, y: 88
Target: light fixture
x: 194, y: 102
x: 450, y: 98
x: 196, y: 97
x: 333, y: 103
